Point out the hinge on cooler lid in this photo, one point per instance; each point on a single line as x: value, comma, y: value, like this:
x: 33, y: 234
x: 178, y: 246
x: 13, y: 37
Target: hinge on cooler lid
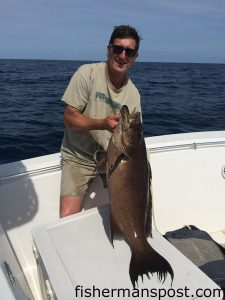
x: 10, y: 274
x: 36, y: 255
x: 50, y: 294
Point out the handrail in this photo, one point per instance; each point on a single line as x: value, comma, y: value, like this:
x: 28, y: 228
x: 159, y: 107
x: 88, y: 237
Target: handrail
x: 194, y: 146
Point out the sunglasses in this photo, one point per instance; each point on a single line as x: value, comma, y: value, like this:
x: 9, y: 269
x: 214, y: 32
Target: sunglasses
x: 119, y: 49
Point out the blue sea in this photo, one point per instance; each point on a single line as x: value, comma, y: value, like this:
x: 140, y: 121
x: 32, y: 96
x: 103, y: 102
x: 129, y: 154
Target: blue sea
x: 176, y: 97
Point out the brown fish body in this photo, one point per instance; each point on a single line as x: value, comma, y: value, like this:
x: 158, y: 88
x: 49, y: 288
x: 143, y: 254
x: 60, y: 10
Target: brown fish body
x: 128, y: 190
x: 129, y: 179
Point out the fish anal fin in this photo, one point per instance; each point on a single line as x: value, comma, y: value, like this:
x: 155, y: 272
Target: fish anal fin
x: 114, y: 229
x: 148, y: 215
x: 148, y: 221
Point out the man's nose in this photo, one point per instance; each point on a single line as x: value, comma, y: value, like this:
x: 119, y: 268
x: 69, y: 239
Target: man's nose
x: 123, y: 54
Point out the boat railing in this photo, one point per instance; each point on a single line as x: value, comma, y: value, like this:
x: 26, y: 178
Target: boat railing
x: 188, y: 146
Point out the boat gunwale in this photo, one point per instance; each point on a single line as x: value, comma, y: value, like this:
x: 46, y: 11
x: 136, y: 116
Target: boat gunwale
x: 155, y: 144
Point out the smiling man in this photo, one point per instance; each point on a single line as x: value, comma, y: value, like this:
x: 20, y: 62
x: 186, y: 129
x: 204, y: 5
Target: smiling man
x: 93, y: 99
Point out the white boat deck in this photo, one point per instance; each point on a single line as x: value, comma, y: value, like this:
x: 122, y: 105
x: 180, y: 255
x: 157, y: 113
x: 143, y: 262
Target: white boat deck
x: 188, y: 188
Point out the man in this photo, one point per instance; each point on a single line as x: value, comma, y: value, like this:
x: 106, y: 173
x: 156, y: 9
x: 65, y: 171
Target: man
x: 93, y: 100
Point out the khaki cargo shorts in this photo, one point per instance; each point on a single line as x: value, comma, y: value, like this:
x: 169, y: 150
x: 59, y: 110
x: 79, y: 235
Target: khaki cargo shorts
x: 76, y: 177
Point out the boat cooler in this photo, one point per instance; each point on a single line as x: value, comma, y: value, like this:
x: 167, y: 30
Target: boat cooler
x: 13, y: 285
x: 76, y: 260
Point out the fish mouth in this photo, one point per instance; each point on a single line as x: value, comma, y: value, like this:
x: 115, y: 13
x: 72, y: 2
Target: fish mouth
x: 129, y: 120
x: 130, y: 131
x: 125, y: 117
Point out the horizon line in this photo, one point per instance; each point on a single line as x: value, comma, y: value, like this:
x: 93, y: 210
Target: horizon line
x: 95, y: 60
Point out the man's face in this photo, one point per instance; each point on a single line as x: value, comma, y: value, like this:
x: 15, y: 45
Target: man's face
x: 122, y: 55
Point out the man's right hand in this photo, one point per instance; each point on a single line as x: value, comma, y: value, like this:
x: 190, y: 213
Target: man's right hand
x: 111, y: 122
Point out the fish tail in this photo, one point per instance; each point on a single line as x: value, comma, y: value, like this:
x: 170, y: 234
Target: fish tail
x: 149, y: 261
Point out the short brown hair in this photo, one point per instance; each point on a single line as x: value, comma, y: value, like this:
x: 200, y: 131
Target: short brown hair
x: 123, y: 32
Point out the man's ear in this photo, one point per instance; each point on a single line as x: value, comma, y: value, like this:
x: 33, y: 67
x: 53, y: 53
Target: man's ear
x: 108, y: 49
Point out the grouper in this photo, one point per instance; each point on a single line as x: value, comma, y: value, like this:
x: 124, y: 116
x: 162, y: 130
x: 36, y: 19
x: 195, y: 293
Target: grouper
x: 128, y: 175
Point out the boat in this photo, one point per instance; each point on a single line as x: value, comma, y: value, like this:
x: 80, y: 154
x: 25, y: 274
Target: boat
x: 45, y: 257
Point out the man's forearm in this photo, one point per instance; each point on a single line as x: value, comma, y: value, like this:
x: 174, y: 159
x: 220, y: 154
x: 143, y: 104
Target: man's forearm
x: 74, y: 119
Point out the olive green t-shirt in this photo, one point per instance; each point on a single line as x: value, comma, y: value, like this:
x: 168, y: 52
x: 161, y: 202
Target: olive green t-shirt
x: 91, y: 92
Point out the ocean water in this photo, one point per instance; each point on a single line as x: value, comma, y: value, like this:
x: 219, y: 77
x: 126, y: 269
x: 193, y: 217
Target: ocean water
x: 175, y: 98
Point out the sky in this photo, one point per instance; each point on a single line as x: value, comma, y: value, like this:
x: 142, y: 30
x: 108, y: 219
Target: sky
x: 172, y: 30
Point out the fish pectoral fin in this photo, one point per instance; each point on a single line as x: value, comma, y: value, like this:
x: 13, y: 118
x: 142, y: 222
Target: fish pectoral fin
x: 114, y: 164
x: 114, y: 229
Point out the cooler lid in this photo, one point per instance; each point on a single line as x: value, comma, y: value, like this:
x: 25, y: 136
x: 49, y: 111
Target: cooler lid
x: 80, y: 260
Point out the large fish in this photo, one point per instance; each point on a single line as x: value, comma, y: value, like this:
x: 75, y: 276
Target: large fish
x: 129, y: 178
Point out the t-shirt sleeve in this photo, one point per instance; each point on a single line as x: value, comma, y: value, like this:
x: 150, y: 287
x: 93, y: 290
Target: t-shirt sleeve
x: 137, y: 104
x: 76, y: 93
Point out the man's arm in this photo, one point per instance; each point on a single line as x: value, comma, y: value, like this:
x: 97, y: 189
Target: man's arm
x: 74, y: 119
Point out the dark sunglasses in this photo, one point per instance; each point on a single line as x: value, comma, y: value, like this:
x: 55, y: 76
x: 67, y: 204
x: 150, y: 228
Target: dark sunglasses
x: 119, y: 49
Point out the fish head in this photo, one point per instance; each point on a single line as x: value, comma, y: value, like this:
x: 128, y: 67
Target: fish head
x: 129, y: 132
